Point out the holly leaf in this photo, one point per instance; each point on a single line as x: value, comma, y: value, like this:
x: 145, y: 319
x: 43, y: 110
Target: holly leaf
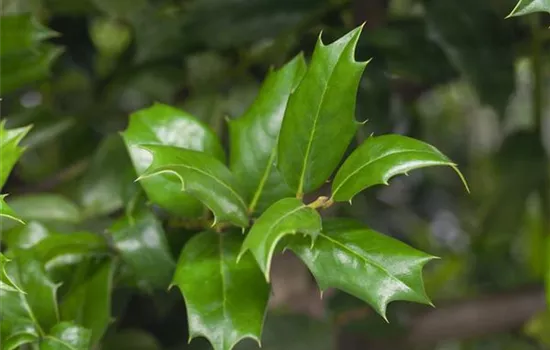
x: 62, y: 248
x: 9, y: 149
x: 108, y: 184
x: 225, y: 300
x: 37, y: 307
x: 254, y: 137
x: 524, y: 7
x: 21, y: 32
x: 371, y: 266
x: 164, y: 125
x: 88, y: 299
x: 17, y: 340
x: 380, y: 158
x: 7, y: 212
x: 6, y: 283
x: 319, y: 121
x: 67, y: 336
x: 287, y: 216
x: 203, y: 177
x: 141, y: 242
x: 27, y: 67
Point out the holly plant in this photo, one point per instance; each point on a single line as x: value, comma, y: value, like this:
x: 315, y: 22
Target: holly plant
x: 263, y: 198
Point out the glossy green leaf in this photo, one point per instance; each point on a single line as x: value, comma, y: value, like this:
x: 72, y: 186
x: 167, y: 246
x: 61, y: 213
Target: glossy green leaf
x: 6, y: 282
x: 9, y: 149
x: 143, y: 247
x: 202, y: 176
x: 27, y: 67
x: 25, y: 236
x: 225, y: 300
x: 164, y: 125
x: 7, y: 212
x: 478, y: 44
x: 285, y: 217
x: 108, y: 184
x: 319, y: 121
x: 21, y: 32
x: 371, y: 266
x: 44, y: 207
x: 381, y: 157
x: 39, y: 302
x: 61, y: 247
x: 524, y: 7
x: 19, y: 339
x: 254, y: 137
x: 67, y: 336
x: 88, y: 300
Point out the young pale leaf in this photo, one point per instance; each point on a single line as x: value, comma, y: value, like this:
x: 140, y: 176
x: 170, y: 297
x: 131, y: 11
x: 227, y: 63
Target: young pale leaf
x: 6, y: 283
x: 39, y: 302
x: 203, y: 177
x: 226, y: 300
x: 319, y: 121
x: 524, y: 7
x: 380, y: 158
x: 67, y: 336
x: 287, y: 216
x: 88, y: 300
x: 164, y: 125
x: 143, y: 248
x: 254, y: 137
x: 370, y: 266
x: 7, y: 212
x: 9, y: 149
x: 21, y: 32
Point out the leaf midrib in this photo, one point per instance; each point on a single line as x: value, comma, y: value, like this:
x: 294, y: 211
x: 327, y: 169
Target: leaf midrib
x: 239, y: 198
x: 353, y: 173
x: 314, y: 128
x: 367, y: 261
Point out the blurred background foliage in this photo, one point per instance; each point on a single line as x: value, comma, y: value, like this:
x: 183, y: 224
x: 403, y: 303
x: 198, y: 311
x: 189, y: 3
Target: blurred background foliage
x: 456, y: 74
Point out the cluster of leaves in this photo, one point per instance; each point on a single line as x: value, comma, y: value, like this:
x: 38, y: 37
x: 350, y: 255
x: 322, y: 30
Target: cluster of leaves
x: 287, y: 145
x: 249, y: 205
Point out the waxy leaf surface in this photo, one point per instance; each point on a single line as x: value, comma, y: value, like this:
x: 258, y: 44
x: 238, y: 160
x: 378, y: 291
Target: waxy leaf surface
x: 225, y: 300
x: 319, y: 121
x: 524, y: 7
x: 9, y: 149
x: 39, y: 302
x: 381, y: 157
x: 254, y: 137
x: 66, y: 336
x: 142, y: 245
x: 7, y: 212
x: 203, y: 177
x: 88, y: 300
x: 164, y: 125
x: 287, y: 216
x: 6, y: 282
x: 364, y: 263
x: 21, y: 32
